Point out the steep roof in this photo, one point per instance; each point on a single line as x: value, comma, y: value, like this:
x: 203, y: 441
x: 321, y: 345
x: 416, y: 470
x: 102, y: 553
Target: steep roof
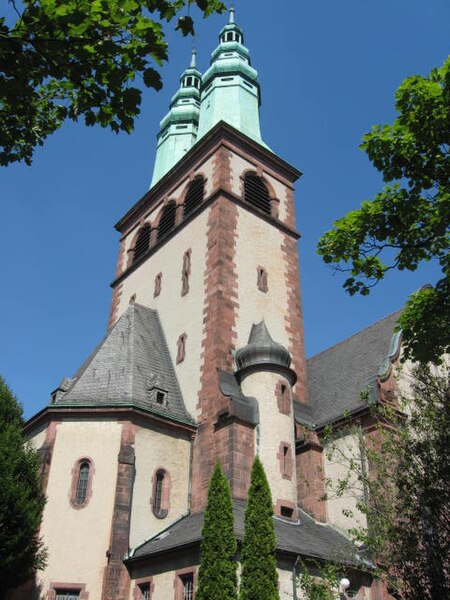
x: 129, y: 366
x: 337, y: 376
x: 305, y: 537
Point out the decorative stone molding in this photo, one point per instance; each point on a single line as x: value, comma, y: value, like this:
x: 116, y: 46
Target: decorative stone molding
x: 75, y: 587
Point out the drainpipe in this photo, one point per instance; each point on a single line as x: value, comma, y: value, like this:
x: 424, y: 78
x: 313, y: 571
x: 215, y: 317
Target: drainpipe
x: 294, y: 579
x: 191, y: 455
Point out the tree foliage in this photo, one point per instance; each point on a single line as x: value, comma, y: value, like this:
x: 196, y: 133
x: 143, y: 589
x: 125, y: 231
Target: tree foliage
x: 408, y: 222
x: 259, y: 573
x: 324, y: 587
x: 22, y: 499
x: 72, y: 59
x: 217, y: 572
x: 404, y: 478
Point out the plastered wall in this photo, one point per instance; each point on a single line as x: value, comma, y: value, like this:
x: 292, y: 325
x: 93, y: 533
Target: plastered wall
x: 274, y: 427
x: 79, y: 538
x: 259, y: 244
x: 156, y: 449
x: 337, y: 457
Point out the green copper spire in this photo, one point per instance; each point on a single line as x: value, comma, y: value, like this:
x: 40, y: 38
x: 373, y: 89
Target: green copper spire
x: 178, y: 129
x: 230, y: 88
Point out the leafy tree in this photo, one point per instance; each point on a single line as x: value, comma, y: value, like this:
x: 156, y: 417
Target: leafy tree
x: 259, y: 573
x: 22, y: 499
x: 72, y: 59
x: 408, y: 222
x: 320, y: 588
x: 217, y: 572
x: 404, y: 476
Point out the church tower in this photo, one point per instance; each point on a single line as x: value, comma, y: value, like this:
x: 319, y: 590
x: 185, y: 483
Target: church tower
x: 203, y: 361
x: 213, y: 248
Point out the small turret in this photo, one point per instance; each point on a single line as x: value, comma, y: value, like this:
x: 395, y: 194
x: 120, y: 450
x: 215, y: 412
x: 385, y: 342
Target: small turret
x: 178, y: 129
x: 265, y: 376
x: 262, y: 352
x: 230, y: 88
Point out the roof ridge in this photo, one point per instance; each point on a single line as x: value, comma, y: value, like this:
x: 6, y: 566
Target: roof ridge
x: 354, y: 335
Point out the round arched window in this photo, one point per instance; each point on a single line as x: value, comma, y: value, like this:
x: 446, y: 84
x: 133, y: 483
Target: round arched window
x: 194, y: 196
x: 167, y: 221
x: 256, y: 192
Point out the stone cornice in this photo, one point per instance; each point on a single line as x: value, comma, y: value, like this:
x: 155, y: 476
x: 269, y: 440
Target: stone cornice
x: 218, y: 193
x: 124, y: 412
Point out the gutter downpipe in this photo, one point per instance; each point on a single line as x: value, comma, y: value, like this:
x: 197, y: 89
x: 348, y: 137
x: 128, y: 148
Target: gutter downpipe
x: 294, y: 579
x: 191, y: 456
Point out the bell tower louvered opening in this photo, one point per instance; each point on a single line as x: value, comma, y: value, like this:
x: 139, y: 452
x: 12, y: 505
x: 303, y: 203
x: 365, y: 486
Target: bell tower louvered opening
x: 194, y: 196
x: 167, y: 221
x: 256, y: 193
x: 142, y: 242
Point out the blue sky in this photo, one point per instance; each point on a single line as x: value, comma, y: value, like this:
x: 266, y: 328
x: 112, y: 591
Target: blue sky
x: 328, y: 72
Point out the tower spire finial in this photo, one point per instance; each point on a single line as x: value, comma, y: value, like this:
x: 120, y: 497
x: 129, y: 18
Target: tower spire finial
x: 231, y: 21
x: 193, y: 58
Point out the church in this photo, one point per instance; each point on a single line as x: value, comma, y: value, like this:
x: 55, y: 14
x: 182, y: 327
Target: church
x: 203, y: 360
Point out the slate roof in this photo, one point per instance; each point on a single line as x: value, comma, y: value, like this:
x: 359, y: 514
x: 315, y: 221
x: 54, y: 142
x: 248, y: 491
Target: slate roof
x: 337, y: 376
x: 127, y: 368
x: 305, y: 537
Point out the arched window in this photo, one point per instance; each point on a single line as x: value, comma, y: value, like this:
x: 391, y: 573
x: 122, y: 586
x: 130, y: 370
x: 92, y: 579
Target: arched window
x: 81, y: 488
x: 142, y: 242
x: 161, y: 488
x: 167, y: 221
x: 83, y: 478
x: 256, y: 192
x: 194, y: 195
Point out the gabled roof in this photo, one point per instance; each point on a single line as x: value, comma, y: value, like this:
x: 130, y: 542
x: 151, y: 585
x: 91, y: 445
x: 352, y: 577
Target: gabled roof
x: 339, y: 375
x: 305, y: 537
x: 129, y: 366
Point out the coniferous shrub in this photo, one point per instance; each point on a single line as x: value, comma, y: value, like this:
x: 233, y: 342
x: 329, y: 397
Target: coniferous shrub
x: 217, y: 572
x: 259, y: 573
x: 22, y: 499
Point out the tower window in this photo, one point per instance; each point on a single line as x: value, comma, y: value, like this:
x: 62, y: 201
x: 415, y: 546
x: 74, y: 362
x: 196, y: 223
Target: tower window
x: 81, y: 488
x: 181, y: 348
x: 285, y: 459
x: 286, y: 512
x: 256, y: 192
x: 83, y: 477
x: 187, y: 583
x: 142, y: 242
x: 185, y: 272
x: 194, y: 196
x: 262, y: 279
x: 283, y: 396
x: 167, y: 221
x: 144, y: 590
x: 158, y: 281
x: 230, y: 36
x: 67, y: 594
x: 161, y: 486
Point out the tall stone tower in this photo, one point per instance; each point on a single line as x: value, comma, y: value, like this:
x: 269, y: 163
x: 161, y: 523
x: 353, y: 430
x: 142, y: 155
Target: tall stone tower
x: 203, y: 361
x: 213, y: 248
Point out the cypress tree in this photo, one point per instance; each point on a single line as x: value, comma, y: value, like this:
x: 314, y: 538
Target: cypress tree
x: 217, y: 572
x: 259, y: 572
x: 22, y: 499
